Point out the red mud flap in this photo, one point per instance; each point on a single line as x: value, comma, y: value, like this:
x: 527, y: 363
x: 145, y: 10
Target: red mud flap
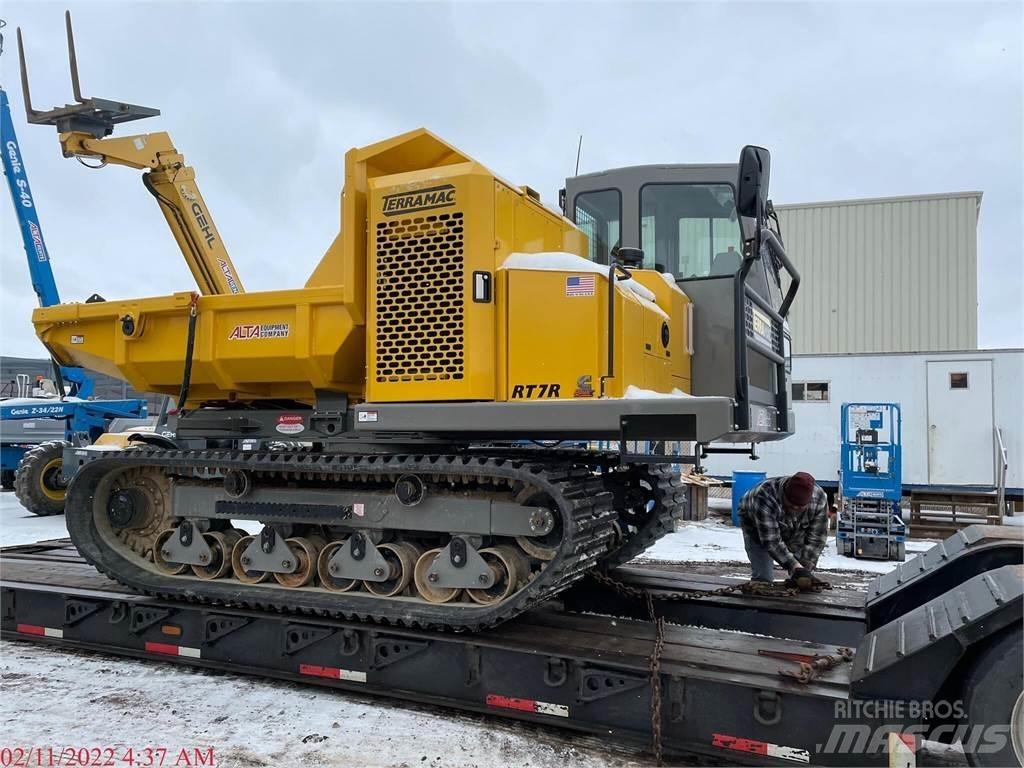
x: 735, y: 743
x: 527, y: 705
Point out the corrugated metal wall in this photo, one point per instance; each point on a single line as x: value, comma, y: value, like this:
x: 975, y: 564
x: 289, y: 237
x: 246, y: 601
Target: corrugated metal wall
x: 885, y: 275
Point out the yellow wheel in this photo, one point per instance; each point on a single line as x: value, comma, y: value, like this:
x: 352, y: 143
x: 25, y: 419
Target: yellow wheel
x: 38, y: 481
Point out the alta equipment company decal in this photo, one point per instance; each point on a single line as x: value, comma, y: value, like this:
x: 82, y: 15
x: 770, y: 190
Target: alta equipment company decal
x: 260, y: 331
x: 290, y: 424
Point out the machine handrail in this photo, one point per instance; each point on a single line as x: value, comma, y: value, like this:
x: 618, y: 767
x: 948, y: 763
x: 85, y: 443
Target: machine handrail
x: 776, y: 247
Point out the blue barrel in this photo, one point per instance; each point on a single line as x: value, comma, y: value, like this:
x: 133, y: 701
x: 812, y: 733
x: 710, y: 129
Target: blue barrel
x: 742, y: 481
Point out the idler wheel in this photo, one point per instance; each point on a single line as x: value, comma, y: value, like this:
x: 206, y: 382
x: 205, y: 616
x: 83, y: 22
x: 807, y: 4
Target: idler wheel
x: 426, y: 590
x: 327, y: 579
x: 240, y: 569
x: 509, y: 568
x: 305, y: 553
x: 543, y: 547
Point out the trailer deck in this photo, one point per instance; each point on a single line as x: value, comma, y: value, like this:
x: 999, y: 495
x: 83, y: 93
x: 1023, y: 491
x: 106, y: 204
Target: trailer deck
x: 580, y: 663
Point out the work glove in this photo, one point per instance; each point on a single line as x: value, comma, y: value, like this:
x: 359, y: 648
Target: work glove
x: 819, y: 584
x: 802, y: 579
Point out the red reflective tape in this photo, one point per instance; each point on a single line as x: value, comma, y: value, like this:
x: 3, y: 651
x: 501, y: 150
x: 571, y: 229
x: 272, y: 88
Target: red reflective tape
x: 332, y: 673
x: 725, y: 741
x: 317, y: 671
x: 31, y: 629
x: 509, y: 702
x: 909, y: 739
x: 165, y: 648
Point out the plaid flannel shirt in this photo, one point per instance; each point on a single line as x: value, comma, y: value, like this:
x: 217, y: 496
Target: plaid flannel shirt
x: 789, y: 539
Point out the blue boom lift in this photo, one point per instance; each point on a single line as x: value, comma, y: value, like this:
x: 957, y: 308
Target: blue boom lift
x: 35, y: 470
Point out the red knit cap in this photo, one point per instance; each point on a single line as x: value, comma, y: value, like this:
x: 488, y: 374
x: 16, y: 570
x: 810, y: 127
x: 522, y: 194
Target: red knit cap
x: 799, y: 489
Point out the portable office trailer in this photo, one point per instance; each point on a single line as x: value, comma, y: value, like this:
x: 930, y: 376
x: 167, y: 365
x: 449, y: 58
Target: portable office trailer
x: 953, y: 403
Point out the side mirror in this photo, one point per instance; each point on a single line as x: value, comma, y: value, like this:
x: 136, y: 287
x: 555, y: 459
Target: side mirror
x: 752, y: 188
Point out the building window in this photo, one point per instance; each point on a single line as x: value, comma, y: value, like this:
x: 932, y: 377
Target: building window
x: 810, y: 391
x: 958, y: 381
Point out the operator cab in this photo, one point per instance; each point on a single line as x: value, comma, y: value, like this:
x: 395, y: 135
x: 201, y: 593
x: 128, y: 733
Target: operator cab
x: 686, y: 221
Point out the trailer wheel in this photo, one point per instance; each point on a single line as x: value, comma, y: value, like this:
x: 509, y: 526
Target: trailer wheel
x: 7, y: 479
x: 994, y: 695
x: 38, y: 483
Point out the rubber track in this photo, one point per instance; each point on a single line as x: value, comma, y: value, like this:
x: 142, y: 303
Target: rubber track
x: 670, y: 502
x: 581, y: 496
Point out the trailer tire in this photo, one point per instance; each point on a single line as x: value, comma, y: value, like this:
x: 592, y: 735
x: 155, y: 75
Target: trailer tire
x: 993, y: 695
x: 37, y: 481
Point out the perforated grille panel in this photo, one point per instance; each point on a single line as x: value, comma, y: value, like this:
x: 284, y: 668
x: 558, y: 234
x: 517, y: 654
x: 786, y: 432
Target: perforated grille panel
x: 420, y: 265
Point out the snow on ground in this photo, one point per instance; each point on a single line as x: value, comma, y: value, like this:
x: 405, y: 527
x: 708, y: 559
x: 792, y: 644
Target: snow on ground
x: 18, y: 526
x: 716, y: 540
x: 57, y: 698
x: 53, y: 698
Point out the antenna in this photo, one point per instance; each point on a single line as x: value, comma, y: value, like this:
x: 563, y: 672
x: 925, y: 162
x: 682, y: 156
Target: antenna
x: 579, y: 148
x: 96, y: 117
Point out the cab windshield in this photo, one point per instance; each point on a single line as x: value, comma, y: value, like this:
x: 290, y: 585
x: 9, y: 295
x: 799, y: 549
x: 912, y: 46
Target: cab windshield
x: 690, y: 230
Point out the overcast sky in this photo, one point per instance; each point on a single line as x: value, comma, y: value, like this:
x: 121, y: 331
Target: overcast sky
x: 854, y: 99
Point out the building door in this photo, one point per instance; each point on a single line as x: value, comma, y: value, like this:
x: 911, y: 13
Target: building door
x: 960, y: 422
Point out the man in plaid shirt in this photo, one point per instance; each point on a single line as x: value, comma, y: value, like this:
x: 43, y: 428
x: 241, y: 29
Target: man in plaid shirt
x: 785, y: 521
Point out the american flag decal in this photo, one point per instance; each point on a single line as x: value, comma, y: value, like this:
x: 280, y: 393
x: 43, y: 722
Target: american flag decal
x: 579, y: 285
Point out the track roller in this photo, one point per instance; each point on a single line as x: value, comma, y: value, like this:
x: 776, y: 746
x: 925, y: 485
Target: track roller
x: 328, y: 580
x: 222, y: 545
x: 402, y: 558
x: 243, y: 574
x: 163, y: 565
x: 305, y: 553
x: 426, y: 590
x: 510, y: 569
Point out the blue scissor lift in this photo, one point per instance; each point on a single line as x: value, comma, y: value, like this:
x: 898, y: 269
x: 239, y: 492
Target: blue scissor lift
x: 870, y: 523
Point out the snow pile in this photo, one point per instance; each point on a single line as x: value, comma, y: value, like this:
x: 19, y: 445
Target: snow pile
x: 554, y: 261
x: 636, y: 393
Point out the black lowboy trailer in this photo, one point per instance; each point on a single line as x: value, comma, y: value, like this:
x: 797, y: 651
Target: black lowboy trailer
x: 943, y: 629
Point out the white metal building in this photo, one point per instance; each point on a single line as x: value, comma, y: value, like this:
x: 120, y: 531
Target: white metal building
x: 887, y: 312
x: 952, y: 403
x: 895, y: 274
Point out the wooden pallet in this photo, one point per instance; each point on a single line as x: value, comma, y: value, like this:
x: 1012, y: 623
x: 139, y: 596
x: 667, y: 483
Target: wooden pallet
x: 934, y: 514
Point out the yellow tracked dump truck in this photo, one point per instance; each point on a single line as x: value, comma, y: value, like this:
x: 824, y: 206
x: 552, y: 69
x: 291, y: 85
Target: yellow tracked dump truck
x: 409, y: 436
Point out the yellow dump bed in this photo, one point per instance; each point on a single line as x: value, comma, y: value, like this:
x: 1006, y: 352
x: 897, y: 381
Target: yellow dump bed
x: 275, y: 344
